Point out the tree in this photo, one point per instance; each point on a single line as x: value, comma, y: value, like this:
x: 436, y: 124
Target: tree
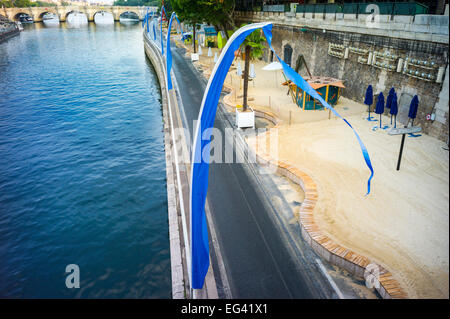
x: 16, y: 3
x: 191, y: 12
x: 254, y: 45
x: 6, y: 3
x: 44, y: 4
x: 220, y: 13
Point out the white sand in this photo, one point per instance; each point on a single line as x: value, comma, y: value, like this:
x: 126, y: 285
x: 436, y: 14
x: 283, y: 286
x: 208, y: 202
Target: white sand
x: 403, y: 224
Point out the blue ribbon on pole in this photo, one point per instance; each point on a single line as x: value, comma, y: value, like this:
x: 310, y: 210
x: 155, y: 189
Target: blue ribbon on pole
x: 146, y: 18
x: 162, y: 41
x: 168, y: 50
x: 169, y: 53
x: 181, y: 29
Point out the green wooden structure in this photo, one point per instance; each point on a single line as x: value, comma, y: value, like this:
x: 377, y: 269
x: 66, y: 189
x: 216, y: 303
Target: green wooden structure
x: 329, y: 89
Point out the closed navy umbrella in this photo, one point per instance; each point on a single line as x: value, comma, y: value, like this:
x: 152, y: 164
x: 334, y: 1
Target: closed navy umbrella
x: 379, y: 109
x: 394, y: 109
x: 368, y: 100
x: 389, y: 99
x: 413, y: 108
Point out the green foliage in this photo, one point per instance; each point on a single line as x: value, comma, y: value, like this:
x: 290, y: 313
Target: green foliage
x: 189, y: 11
x: 24, y: 4
x: 218, y: 12
x: 167, y: 7
x: 16, y: 3
x: 214, y: 12
x: 44, y: 4
x: 255, y: 41
x: 254, y: 46
x: 6, y: 3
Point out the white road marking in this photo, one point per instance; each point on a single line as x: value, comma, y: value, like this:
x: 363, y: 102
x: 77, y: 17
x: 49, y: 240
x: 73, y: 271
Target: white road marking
x: 330, y: 280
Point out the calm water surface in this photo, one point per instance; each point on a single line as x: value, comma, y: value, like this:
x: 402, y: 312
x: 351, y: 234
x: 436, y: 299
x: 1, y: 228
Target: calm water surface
x: 82, y: 168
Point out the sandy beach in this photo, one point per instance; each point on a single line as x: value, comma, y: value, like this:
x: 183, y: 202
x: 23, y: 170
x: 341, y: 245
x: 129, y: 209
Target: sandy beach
x: 403, y: 224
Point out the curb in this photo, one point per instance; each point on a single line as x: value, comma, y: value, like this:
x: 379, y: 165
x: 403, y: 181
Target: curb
x: 178, y: 277
x: 176, y: 185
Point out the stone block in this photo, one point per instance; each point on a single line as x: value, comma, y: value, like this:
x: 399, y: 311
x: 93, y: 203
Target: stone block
x: 403, y: 19
x: 350, y: 16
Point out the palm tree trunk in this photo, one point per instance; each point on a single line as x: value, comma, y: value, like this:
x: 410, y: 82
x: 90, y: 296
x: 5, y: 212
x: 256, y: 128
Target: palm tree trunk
x: 246, y: 69
x: 193, y: 37
x: 225, y: 30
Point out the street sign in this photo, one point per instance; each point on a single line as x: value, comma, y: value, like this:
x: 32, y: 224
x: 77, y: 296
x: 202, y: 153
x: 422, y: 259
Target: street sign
x: 404, y: 130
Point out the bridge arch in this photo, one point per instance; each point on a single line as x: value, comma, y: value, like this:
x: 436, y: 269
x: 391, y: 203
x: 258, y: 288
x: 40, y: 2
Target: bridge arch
x: 129, y: 15
x: 17, y: 15
x: 42, y: 13
x: 74, y: 11
x: 105, y: 13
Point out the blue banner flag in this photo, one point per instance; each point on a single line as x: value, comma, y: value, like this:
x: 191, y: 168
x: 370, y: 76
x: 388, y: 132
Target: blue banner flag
x: 163, y: 13
x: 200, y: 166
x: 146, y: 19
x: 168, y: 51
x: 154, y: 30
x: 169, y: 54
x: 181, y: 29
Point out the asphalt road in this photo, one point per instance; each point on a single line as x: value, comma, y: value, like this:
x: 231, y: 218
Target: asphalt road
x: 260, y: 259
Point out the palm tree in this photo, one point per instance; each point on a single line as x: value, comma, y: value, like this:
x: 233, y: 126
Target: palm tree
x: 254, y: 45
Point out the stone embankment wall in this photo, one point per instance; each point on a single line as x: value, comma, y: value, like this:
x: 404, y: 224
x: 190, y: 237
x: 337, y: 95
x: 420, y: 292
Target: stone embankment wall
x: 176, y: 263
x: 7, y: 29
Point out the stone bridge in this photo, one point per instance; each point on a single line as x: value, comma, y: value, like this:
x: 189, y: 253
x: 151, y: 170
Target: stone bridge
x: 63, y: 11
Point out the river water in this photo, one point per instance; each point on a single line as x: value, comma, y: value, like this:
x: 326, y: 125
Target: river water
x: 82, y: 166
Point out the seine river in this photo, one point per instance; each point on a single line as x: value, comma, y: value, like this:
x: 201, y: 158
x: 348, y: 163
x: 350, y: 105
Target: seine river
x: 82, y: 166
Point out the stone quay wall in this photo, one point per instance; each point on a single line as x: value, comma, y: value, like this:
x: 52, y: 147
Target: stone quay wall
x: 353, y: 56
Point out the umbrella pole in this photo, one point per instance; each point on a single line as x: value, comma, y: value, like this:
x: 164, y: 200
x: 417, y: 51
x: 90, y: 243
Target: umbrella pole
x: 401, y: 151
x: 395, y: 121
x: 380, y: 120
x: 391, y: 119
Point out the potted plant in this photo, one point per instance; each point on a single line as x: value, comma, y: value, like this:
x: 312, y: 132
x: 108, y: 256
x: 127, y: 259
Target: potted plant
x: 253, y: 49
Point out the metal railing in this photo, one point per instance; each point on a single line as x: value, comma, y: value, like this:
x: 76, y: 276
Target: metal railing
x: 385, y: 8
x: 276, y: 8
